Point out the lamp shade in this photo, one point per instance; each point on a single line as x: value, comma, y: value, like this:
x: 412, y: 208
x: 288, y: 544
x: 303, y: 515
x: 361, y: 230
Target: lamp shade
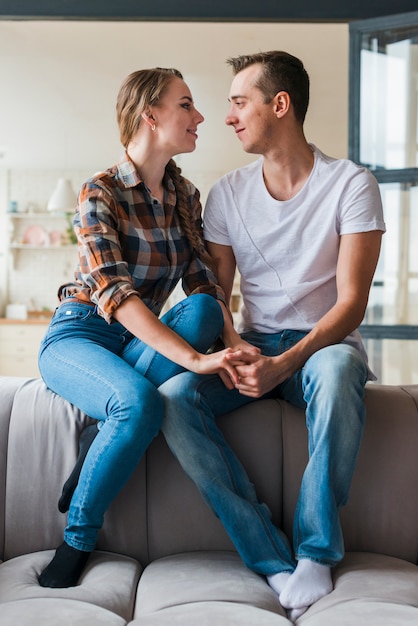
x: 63, y: 197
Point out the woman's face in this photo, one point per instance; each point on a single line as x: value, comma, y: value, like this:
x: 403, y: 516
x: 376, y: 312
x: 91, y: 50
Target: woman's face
x: 176, y: 119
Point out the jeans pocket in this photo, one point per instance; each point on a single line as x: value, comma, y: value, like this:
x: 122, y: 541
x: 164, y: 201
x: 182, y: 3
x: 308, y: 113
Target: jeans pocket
x: 69, y: 312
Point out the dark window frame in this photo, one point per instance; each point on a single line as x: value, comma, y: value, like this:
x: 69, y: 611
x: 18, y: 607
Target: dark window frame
x: 403, y: 176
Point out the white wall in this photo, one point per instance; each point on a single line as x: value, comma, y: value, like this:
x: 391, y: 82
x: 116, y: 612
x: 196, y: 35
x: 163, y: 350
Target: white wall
x: 59, y: 82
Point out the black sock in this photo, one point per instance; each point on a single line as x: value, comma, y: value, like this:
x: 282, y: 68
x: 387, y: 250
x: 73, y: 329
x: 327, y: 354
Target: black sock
x: 65, y: 568
x: 86, y: 439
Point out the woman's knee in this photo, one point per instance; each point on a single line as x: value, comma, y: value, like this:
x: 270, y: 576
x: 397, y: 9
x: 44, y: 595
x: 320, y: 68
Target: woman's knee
x: 206, y: 308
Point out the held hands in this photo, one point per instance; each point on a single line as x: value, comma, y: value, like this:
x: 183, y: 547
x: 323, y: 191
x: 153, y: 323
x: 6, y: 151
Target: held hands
x: 242, y: 367
x: 260, y: 374
x: 220, y: 363
x: 239, y: 352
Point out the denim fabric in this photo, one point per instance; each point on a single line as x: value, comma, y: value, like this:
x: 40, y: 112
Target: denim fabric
x: 113, y: 377
x: 330, y: 387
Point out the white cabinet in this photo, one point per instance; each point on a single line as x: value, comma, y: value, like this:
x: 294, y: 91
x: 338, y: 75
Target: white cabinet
x: 19, y: 347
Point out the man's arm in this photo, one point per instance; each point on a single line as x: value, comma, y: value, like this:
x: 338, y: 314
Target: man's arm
x: 357, y: 260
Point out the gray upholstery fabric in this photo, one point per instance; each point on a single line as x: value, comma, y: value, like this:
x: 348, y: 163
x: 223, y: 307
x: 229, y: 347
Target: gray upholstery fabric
x: 56, y: 612
x: 177, y: 514
x: 109, y: 581
x: 164, y: 559
x: 8, y: 390
x: 382, y: 511
x: 212, y: 614
x: 42, y: 447
x: 370, y: 590
x: 202, y: 577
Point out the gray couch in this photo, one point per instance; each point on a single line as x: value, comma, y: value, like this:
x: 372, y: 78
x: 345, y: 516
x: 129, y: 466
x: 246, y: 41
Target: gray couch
x: 164, y: 559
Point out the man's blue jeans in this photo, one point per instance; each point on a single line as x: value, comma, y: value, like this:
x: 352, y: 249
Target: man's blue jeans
x: 330, y: 387
x: 113, y: 377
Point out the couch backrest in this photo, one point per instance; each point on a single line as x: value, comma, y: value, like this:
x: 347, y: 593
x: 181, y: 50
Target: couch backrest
x: 382, y: 512
x: 160, y: 512
x: 179, y: 520
x: 41, y: 448
x: 8, y: 388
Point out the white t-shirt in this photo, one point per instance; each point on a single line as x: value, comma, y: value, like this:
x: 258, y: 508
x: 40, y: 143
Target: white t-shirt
x: 287, y: 251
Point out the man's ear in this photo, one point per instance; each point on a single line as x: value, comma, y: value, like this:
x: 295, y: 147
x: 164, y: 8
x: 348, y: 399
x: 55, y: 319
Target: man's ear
x: 281, y: 103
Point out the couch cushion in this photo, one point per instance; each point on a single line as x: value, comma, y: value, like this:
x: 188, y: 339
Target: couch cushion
x: 212, y: 614
x: 53, y: 611
x: 180, y: 582
x: 369, y: 590
x: 108, y: 581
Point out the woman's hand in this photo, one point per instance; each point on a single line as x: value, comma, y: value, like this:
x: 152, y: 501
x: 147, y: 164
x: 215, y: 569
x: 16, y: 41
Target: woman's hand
x: 220, y: 363
x: 261, y: 374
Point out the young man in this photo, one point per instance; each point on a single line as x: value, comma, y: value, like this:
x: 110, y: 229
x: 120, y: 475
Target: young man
x: 304, y: 230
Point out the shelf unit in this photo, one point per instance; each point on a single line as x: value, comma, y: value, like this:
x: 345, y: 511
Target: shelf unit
x: 19, y: 222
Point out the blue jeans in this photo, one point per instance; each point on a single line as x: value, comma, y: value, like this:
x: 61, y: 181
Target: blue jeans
x: 113, y: 377
x: 330, y: 387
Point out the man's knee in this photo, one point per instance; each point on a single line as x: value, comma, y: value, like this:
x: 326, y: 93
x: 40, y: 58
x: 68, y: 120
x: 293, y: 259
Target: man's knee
x: 339, y: 362
x: 179, y: 388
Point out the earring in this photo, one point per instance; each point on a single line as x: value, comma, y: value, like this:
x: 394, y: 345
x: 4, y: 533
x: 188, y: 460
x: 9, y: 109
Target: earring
x: 147, y: 119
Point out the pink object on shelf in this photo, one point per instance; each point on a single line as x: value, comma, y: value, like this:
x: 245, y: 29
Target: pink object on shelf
x: 35, y: 235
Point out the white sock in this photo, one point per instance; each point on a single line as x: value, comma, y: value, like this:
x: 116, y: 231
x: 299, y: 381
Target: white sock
x: 278, y: 581
x: 309, y: 582
x: 294, y: 614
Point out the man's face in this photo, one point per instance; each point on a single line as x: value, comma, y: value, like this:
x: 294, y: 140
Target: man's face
x: 250, y: 117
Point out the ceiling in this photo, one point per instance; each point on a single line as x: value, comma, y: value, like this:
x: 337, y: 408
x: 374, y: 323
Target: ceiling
x: 204, y: 10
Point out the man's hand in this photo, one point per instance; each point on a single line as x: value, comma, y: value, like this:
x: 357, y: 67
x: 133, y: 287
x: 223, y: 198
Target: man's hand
x: 260, y: 374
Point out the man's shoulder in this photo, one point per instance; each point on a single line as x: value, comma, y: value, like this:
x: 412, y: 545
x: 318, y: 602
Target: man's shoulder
x: 339, y: 164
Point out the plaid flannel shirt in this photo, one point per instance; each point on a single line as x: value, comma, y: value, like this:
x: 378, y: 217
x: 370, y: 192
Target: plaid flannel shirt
x: 130, y: 244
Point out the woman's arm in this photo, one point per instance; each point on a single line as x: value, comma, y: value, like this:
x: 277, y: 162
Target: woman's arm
x: 135, y: 316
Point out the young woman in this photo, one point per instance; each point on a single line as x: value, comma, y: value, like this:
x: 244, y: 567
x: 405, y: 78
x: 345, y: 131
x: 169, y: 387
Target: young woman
x: 106, y: 351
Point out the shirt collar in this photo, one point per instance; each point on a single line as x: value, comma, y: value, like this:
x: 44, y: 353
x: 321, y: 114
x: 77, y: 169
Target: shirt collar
x: 129, y: 175
x: 127, y: 172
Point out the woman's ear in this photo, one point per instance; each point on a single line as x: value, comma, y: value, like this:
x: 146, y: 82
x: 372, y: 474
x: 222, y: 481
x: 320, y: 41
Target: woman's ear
x: 149, y: 119
x: 282, y: 103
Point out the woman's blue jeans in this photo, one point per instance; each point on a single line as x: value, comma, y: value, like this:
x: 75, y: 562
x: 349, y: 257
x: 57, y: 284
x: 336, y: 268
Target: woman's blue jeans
x: 330, y: 387
x: 113, y: 377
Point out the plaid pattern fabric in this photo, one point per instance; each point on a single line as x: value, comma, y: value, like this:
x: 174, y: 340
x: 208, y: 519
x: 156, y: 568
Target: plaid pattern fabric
x: 130, y: 244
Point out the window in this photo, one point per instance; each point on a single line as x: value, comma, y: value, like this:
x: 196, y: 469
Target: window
x: 383, y: 136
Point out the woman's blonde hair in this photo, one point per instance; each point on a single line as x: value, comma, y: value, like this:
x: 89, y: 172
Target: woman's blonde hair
x: 140, y: 90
